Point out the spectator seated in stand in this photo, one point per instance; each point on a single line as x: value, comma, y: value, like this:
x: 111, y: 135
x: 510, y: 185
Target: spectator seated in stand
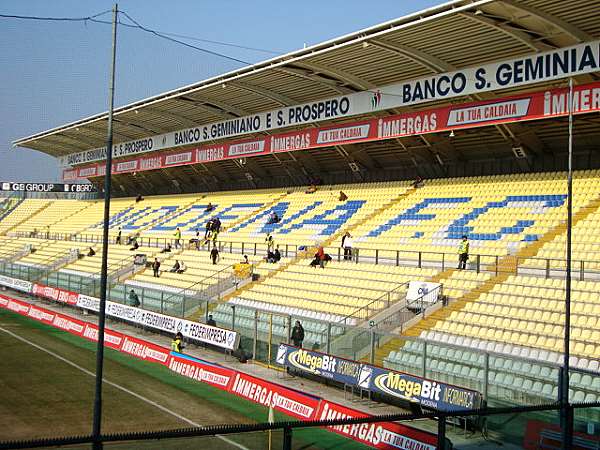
x: 276, y: 255
x: 167, y: 249
x: 91, y: 252
x: 270, y: 258
x: 320, y: 258
x: 311, y: 190
x: 182, y: 267
x: 273, y: 218
x: 343, y: 197
x: 209, y: 207
x: 135, y: 245
x: 139, y: 198
x: 175, y: 267
x: 418, y: 182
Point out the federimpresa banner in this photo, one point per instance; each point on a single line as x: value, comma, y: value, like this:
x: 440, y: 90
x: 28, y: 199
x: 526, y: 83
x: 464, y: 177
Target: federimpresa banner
x: 531, y: 106
x: 196, y: 331
x: 428, y: 393
x: 535, y: 68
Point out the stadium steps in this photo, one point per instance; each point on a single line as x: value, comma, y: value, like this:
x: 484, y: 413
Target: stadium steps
x: 25, y: 219
x: 368, y: 217
x: 256, y: 212
x: 239, y: 292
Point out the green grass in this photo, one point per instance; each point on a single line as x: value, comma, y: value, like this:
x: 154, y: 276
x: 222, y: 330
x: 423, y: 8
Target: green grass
x: 41, y: 396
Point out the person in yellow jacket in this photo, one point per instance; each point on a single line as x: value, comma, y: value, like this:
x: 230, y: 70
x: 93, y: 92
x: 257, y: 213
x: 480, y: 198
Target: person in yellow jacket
x: 177, y: 238
x: 463, y: 253
x: 177, y: 343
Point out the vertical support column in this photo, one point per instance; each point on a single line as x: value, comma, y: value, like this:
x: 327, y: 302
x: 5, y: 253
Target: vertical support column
x: 441, y: 434
x: 287, y: 438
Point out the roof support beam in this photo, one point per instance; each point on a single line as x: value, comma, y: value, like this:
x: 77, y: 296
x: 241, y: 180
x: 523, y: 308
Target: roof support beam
x: 509, y: 30
x: 98, y: 126
x: 212, y: 109
x: 307, y: 75
x: 137, y: 124
x: 171, y: 115
x: 418, y: 56
x: 565, y: 28
x: 80, y: 139
x: 234, y: 110
x: 343, y: 76
x: 264, y: 92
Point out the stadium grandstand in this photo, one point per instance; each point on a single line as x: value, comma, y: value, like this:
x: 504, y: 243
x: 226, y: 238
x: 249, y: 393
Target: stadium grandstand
x: 384, y: 150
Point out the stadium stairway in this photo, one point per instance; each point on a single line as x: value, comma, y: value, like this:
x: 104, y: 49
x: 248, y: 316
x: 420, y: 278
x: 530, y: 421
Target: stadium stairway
x: 506, y: 267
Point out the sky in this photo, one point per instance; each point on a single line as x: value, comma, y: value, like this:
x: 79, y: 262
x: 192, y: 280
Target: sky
x: 52, y: 73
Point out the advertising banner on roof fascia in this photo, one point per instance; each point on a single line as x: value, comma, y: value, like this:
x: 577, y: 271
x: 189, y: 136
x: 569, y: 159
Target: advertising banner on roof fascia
x: 535, y: 68
x: 531, y: 106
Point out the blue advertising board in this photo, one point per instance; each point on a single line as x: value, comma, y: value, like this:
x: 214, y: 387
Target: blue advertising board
x: 428, y: 393
x: 320, y: 364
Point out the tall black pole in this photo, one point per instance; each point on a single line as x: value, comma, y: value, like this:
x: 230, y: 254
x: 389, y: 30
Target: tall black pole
x: 104, y: 267
x: 566, y: 411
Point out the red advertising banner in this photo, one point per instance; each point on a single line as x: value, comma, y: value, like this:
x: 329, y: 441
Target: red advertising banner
x: 271, y: 395
x: 383, y: 435
x: 56, y: 294
x: 532, y: 106
x: 540, y: 434
x: 214, y: 375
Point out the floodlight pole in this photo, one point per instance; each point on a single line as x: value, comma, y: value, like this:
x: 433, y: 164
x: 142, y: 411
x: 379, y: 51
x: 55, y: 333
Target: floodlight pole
x: 566, y: 411
x: 97, y: 420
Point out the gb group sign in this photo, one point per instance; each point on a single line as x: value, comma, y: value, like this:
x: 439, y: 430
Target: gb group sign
x: 540, y: 67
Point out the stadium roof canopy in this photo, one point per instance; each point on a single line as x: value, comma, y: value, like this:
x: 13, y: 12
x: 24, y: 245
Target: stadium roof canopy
x: 451, y: 36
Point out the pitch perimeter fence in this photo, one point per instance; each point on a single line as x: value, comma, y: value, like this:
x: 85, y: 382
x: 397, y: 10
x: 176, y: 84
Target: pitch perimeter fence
x: 288, y: 429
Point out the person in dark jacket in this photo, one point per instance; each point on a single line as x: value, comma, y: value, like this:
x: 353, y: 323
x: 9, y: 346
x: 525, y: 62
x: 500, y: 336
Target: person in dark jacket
x: 208, y: 229
x: 156, y: 268
x: 297, y: 334
x: 175, y: 267
x: 211, y: 321
x: 134, y: 300
x: 91, y: 252
x: 119, y: 237
x: 214, y: 255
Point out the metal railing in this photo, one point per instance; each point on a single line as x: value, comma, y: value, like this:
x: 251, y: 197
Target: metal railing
x: 480, y: 263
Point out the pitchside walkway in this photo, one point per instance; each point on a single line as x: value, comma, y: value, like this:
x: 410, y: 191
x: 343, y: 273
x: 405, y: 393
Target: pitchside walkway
x: 457, y: 436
